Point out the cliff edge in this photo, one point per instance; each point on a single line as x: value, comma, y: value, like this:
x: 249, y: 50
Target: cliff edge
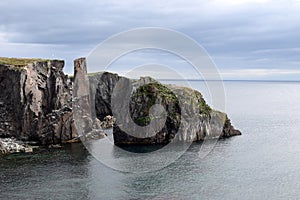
x: 35, y: 100
x: 36, y: 105
x: 187, y: 117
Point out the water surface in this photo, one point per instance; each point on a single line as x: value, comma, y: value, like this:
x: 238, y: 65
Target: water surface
x: 263, y: 163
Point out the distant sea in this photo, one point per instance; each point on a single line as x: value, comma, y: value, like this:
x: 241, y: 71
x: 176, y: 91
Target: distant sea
x: 263, y: 163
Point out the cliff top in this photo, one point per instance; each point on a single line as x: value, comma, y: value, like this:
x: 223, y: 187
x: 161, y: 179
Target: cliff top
x: 19, y: 61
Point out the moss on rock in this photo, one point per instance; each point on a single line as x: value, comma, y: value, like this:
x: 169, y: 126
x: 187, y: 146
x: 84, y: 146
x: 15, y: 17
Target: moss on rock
x: 148, y: 95
x: 20, y: 62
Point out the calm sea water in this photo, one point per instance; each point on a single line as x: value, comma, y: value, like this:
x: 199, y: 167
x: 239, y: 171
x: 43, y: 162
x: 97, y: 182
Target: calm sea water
x: 263, y: 163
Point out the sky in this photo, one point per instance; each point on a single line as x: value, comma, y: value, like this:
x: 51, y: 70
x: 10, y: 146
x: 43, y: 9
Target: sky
x: 246, y: 39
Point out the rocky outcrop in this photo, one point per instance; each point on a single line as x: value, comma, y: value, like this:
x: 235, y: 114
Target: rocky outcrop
x: 35, y: 101
x: 11, y: 145
x: 187, y: 116
x: 102, y: 85
x: 36, y: 104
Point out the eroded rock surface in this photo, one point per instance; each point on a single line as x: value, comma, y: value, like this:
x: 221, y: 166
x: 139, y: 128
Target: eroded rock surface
x: 35, y: 102
x: 188, y: 117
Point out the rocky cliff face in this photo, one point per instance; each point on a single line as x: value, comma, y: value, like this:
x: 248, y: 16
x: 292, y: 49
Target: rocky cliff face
x: 103, y: 84
x: 35, y: 101
x: 36, y: 104
x: 187, y: 116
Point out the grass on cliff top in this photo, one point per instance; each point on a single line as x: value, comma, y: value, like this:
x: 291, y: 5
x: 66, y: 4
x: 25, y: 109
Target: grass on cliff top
x: 19, y: 61
x: 93, y: 73
x: 166, y: 93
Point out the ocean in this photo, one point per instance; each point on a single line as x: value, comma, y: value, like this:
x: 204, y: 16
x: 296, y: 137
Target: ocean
x: 262, y: 163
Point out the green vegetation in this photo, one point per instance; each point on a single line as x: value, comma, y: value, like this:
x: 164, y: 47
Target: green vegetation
x: 203, y: 106
x: 94, y: 73
x: 142, y: 121
x: 156, y: 89
x: 19, y: 61
x: 150, y: 94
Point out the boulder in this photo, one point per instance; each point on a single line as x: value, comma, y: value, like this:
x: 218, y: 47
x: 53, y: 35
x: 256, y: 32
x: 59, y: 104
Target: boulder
x: 11, y: 145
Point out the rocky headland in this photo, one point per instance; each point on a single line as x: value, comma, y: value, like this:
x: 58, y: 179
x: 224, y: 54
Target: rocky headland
x: 36, y: 105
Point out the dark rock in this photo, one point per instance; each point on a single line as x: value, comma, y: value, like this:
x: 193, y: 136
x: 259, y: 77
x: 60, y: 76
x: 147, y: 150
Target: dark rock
x: 188, y: 118
x: 36, y: 102
x: 101, y: 86
x: 186, y: 112
x: 229, y: 130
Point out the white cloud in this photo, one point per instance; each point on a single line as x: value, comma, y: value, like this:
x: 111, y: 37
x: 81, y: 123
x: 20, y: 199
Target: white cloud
x: 259, y: 73
x: 278, y: 50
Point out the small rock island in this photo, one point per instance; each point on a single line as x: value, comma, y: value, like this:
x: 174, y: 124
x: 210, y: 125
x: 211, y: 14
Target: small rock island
x: 36, y: 105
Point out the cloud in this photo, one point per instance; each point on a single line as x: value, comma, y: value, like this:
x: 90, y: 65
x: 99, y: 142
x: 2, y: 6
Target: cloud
x: 246, y: 34
x: 261, y: 74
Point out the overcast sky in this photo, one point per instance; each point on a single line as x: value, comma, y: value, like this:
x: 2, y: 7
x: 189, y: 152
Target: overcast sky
x: 247, y: 39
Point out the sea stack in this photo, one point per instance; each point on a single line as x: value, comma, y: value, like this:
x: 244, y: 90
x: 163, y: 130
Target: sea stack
x: 36, y: 105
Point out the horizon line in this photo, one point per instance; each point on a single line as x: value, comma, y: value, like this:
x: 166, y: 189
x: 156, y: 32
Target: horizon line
x: 245, y: 80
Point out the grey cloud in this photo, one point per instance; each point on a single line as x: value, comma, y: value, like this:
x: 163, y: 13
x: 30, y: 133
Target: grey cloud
x: 236, y: 36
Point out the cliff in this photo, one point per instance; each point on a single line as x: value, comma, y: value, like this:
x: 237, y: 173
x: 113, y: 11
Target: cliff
x: 36, y: 105
x: 187, y: 117
x: 35, y: 100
